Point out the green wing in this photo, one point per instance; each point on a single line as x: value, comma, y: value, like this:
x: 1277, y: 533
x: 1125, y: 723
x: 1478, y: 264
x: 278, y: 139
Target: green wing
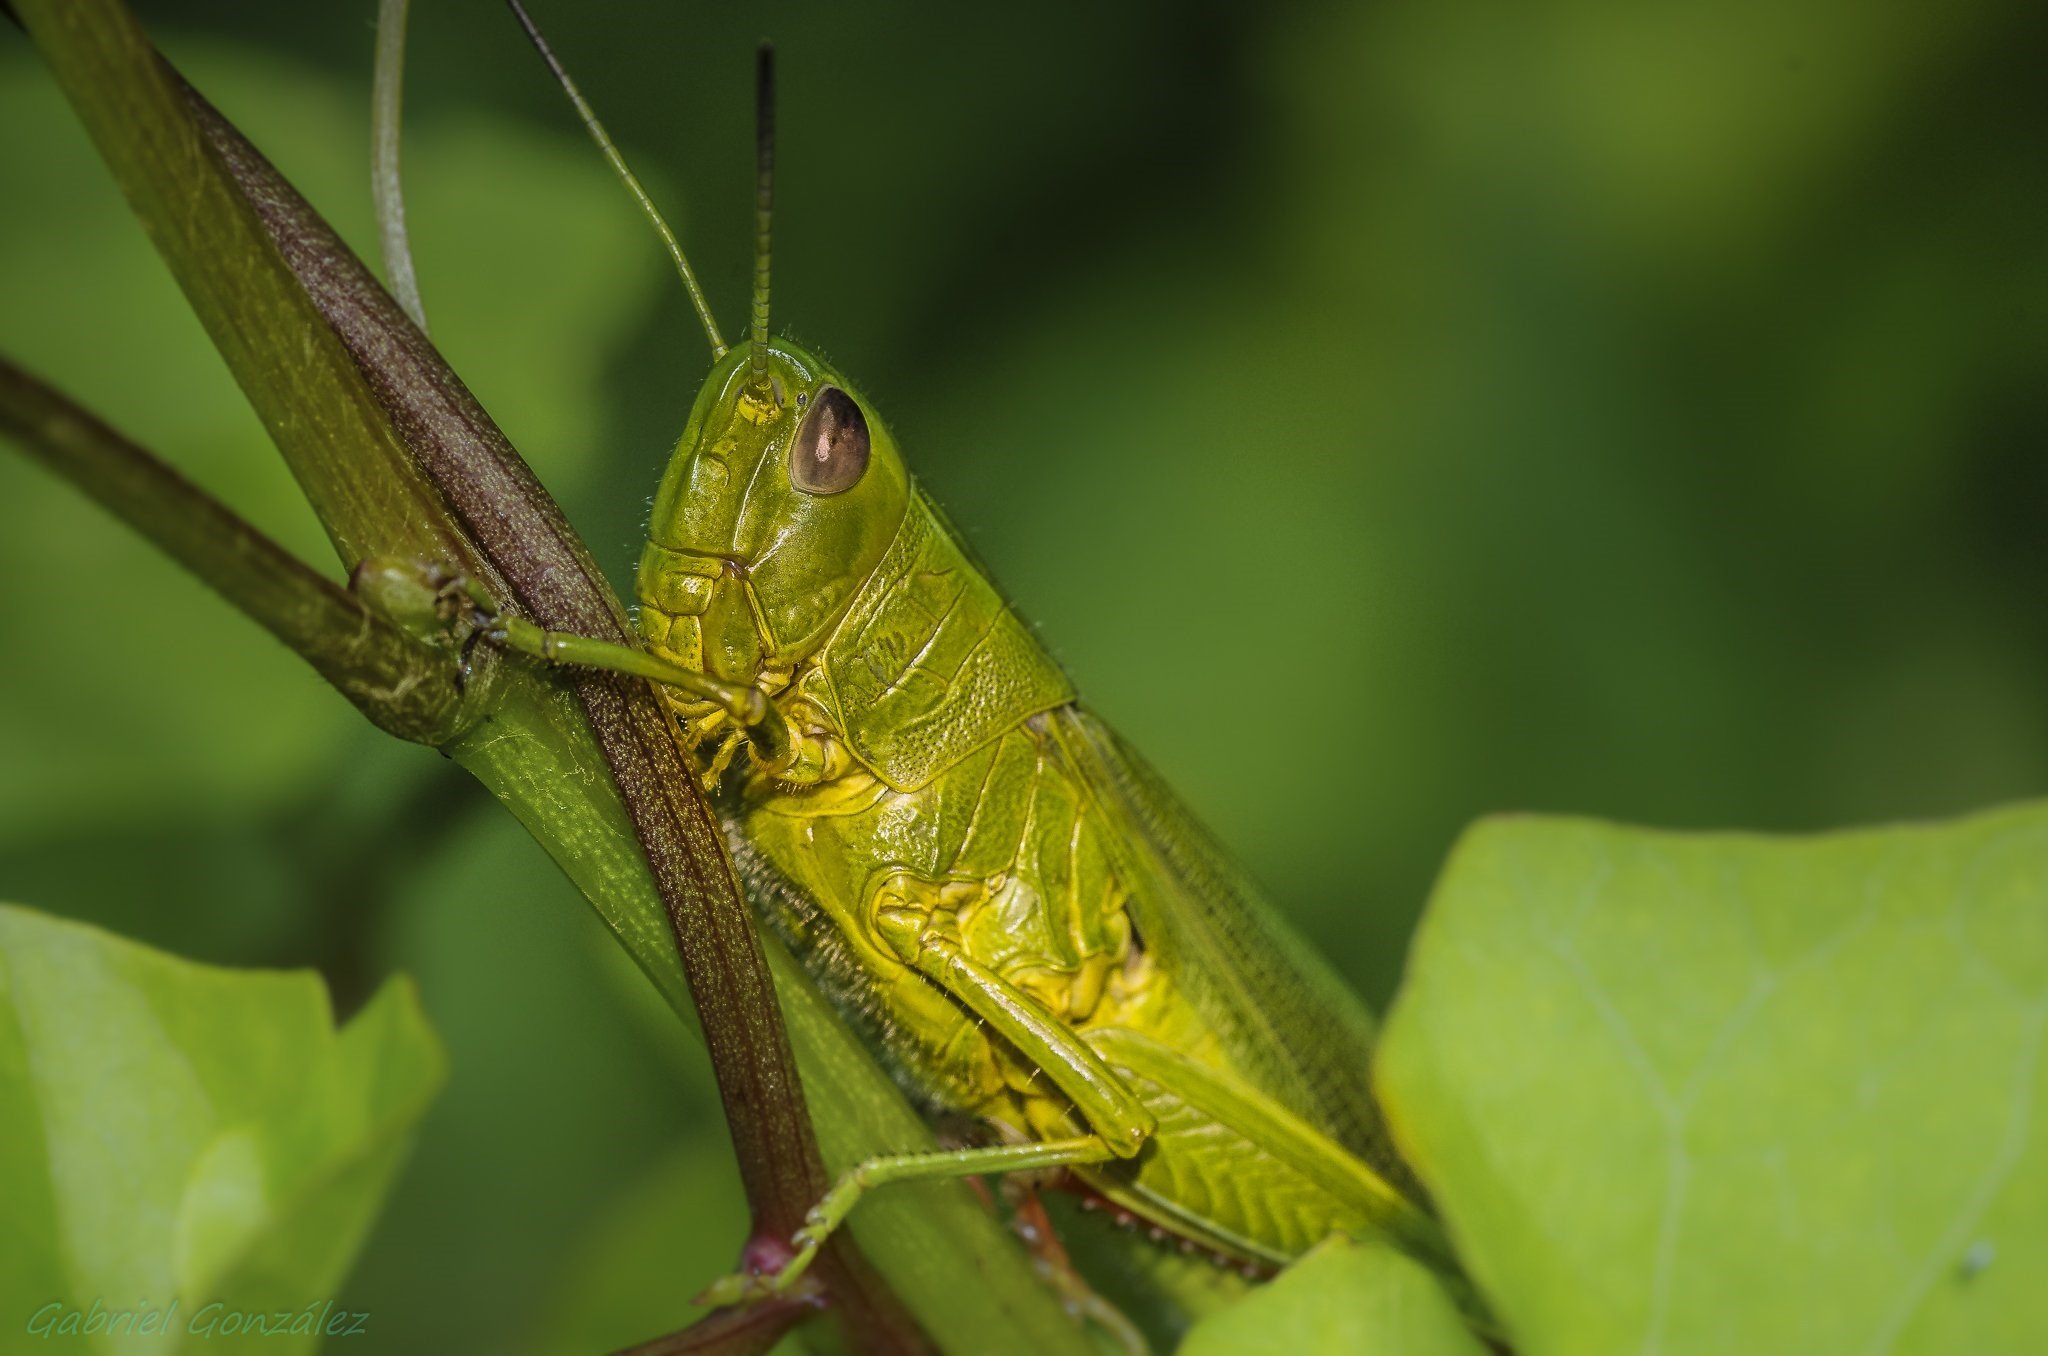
x: 1297, y: 1030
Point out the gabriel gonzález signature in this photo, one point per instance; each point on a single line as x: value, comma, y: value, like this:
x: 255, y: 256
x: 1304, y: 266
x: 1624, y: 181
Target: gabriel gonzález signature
x: 322, y: 1318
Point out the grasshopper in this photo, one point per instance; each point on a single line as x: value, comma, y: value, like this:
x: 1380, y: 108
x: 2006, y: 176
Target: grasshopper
x: 1010, y: 902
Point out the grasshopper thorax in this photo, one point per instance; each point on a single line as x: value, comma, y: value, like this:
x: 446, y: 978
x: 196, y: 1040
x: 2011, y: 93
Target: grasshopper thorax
x: 782, y: 497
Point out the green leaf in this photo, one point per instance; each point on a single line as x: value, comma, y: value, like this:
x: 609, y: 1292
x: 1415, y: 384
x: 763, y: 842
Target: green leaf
x: 174, y: 1132
x: 1343, y: 1297
x: 1690, y: 1093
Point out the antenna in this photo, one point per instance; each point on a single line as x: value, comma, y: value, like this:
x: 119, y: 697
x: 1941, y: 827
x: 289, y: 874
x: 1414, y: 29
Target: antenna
x: 626, y: 177
x: 764, y: 207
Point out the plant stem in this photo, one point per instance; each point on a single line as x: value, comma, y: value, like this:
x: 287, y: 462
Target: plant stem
x: 728, y: 1332
x: 405, y: 687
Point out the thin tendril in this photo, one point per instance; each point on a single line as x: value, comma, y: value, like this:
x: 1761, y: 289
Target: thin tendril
x: 387, y: 97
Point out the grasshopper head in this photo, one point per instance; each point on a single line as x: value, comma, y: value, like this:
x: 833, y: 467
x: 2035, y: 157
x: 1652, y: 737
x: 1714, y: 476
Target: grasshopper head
x: 778, y: 504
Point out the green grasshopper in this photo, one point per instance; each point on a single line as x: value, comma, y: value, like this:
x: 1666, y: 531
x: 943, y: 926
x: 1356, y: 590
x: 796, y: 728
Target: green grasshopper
x: 1037, y: 934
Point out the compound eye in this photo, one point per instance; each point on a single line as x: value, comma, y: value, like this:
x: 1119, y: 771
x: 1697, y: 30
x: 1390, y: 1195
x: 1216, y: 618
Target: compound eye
x: 830, y: 450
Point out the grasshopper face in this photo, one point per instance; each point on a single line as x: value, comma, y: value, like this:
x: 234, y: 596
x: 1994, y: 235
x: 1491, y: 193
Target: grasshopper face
x: 778, y: 504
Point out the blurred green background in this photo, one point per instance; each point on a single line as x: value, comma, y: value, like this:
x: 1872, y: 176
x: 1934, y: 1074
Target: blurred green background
x: 1390, y: 414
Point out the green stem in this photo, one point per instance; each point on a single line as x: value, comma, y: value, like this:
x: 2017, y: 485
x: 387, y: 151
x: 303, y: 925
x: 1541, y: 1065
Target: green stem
x: 405, y: 687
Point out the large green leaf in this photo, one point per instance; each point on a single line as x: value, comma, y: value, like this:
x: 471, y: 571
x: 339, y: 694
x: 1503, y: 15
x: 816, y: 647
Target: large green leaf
x: 1343, y: 1297
x: 174, y: 1133
x: 1728, y: 1093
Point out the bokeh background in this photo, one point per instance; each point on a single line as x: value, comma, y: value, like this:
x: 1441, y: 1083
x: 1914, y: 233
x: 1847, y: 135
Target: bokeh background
x: 1390, y: 414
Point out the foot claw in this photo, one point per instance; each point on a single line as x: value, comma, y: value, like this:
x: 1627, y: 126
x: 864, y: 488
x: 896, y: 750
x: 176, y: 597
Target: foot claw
x: 735, y: 1288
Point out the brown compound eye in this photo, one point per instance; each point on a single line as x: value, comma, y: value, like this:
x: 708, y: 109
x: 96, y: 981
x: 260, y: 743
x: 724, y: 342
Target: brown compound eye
x: 830, y: 451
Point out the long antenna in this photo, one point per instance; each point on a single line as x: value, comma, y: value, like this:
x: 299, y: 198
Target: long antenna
x: 626, y: 177
x: 764, y: 207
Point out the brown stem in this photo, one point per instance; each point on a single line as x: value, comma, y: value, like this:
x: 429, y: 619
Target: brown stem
x: 729, y: 1332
